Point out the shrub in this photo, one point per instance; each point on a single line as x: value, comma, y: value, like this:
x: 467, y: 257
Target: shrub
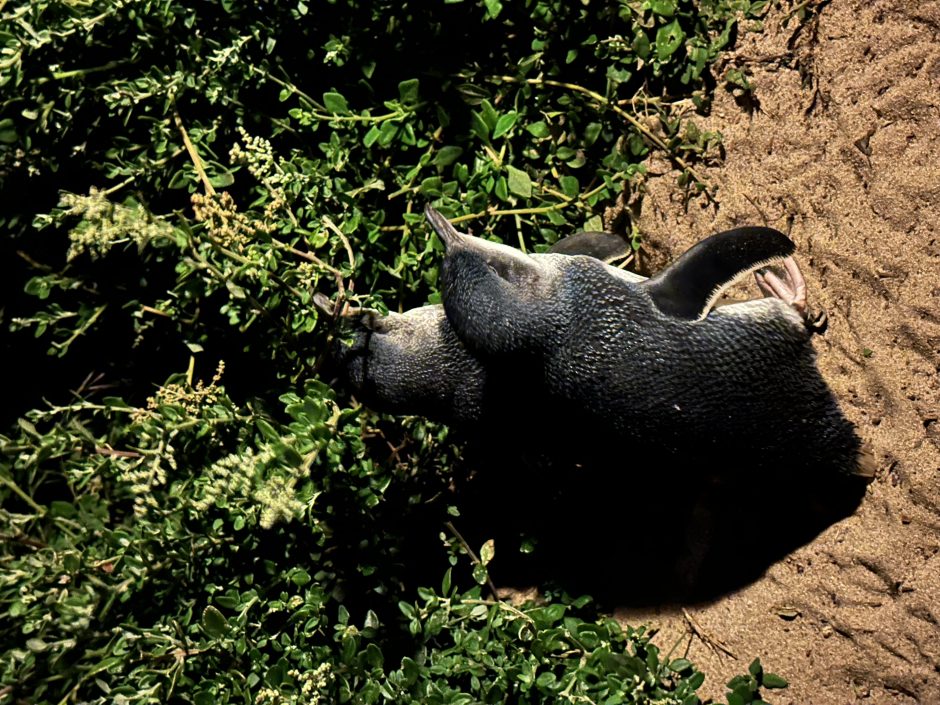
x: 191, y: 514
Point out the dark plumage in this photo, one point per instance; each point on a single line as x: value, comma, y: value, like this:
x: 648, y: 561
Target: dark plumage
x: 414, y: 363
x: 650, y: 364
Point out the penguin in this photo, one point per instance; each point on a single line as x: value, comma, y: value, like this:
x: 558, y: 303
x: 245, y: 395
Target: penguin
x: 652, y: 364
x: 413, y: 363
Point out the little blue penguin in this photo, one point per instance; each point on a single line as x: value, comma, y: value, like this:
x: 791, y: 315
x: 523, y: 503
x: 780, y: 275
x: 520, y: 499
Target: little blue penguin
x: 652, y: 364
x: 414, y: 363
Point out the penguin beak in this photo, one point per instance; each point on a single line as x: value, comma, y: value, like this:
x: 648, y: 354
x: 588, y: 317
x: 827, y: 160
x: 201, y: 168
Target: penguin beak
x: 447, y: 232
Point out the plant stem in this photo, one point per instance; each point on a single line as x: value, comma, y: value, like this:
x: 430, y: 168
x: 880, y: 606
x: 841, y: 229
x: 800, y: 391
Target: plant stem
x: 41, y: 511
x: 59, y: 75
x: 473, y: 556
x: 193, y: 154
x: 601, y: 100
x: 81, y: 330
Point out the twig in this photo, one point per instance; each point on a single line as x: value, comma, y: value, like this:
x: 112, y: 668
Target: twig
x: 81, y: 330
x: 32, y: 543
x: 337, y: 275
x: 759, y: 210
x: 33, y: 263
x: 711, y: 642
x: 329, y: 117
x: 101, y: 450
x: 473, y: 556
x: 308, y: 256
x: 193, y: 154
x: 342, y: 236
x: 8, y: 481
x: 59, y: 75
x: 154, y: 311
x: 249, y: 263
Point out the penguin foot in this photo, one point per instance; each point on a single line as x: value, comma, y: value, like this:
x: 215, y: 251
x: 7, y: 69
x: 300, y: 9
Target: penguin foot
x: 792, y: 291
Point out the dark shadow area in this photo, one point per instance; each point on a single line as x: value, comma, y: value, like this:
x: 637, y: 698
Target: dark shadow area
x: 633, y: 530
x: 592, y: 507
x: 629, y: 526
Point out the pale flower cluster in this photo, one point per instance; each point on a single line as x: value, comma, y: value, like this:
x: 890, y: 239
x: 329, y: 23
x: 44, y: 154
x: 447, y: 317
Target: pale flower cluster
x: 237, y: 475
x: 144, y: 477
x: 312, y: 686
x: 257, y: 155
x: 277, y: 500
x: 313, y: 683
x: 191, y: 399
x: 105, y: 224
x: 223, y: 221
x: 232, y: 475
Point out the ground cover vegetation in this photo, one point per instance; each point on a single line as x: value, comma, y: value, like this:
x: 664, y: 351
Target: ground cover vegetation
x: 190, y: 513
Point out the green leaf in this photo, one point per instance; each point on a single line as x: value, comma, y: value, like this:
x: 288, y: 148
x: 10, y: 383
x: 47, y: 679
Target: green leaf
x: 204, y: 697
x: 335, y: 103
x: 755, y: 669
x: 493, y: 8
x: 772, y: 680
x: 300, y: 577
x: 8, y: 131
x: 641, y: 44
x: 594, y: 224
x: 447, y: 155
x: 371, y: 136
x: 408, y: 92
x: 539, y: 130
x: 489, y: 115
x: 267, y: 430
x: 505, y: 123
x: 374, y: 656
x: 58, y: 508
x: 487, y: 551
x: 223, y: 180
x: 570, y: 186
x: 591, y: 133
x: 668, y: 39
x: 36, y: 645
x: 519, y: 181
x: 213, y: 622
x: 479, y: 127
x: 663, y: 8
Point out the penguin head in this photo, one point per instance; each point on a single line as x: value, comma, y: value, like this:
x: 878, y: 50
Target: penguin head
x: 408, y: 363
x: 496, y: 298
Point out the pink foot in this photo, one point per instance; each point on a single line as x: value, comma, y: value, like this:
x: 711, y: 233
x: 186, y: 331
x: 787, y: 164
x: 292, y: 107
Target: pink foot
x: 792, y: 291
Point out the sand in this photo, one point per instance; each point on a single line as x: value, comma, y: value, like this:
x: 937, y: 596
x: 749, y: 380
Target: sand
x: 842, y: 152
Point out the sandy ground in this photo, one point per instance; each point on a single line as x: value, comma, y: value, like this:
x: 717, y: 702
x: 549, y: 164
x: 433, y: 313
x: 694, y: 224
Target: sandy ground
x: 843, y: 154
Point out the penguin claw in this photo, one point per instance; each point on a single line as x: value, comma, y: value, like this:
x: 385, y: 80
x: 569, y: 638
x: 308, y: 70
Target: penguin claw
x: 792, y: 291
x: 818, y: 322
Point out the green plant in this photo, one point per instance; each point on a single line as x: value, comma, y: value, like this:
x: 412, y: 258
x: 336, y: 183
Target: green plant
x: 179, y: 180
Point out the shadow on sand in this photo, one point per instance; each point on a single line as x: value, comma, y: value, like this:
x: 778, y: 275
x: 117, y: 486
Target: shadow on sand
x: 651, y: 533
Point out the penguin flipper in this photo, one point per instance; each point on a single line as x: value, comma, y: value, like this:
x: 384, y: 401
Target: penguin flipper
x: 690, y: 286
x: 607, y: 247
